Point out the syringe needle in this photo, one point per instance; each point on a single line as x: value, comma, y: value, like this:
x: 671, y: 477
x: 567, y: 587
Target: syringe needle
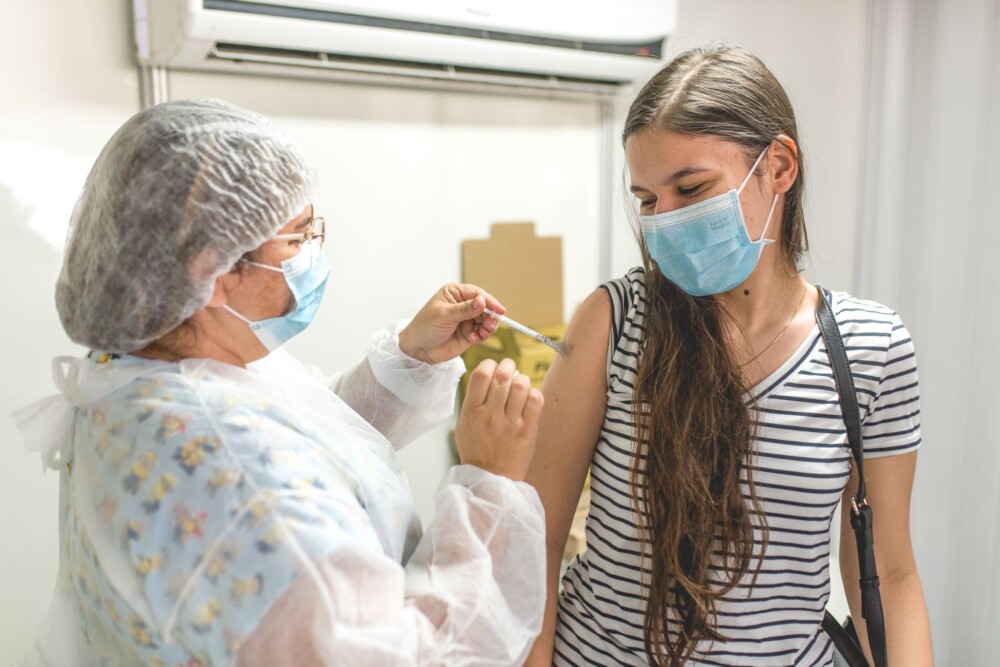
x: 517, y: 326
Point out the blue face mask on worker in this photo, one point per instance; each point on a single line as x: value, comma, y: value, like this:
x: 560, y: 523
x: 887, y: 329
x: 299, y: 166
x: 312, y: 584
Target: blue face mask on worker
x: 704, y: 248
x: 306, y: 275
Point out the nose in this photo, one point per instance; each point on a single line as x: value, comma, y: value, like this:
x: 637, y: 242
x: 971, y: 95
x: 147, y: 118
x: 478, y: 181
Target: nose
x: 666, y: 204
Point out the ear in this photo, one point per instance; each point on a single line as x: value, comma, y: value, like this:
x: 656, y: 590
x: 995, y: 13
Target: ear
x: 220, y: 293
x: 783, y: 160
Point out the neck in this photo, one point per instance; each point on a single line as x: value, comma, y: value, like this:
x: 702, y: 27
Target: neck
x: 207, y: 335
x: 767, y: 296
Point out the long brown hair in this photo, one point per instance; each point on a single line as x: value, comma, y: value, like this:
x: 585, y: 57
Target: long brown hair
x: 693, y: 426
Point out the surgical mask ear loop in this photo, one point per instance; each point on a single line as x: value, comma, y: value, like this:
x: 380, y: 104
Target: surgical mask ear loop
x: 313, y: 253
x: 263, y: 266
x: 746, y: 180
x: 225, y: 306
x: 774, y: 202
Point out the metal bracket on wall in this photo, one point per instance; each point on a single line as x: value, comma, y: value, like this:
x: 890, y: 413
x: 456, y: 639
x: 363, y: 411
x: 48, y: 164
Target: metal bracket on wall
x: 607, y: 195
x: 154, y: 87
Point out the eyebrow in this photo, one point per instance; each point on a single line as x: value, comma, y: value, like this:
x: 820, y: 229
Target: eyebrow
x: 305, y: 223
x: 687, y: 171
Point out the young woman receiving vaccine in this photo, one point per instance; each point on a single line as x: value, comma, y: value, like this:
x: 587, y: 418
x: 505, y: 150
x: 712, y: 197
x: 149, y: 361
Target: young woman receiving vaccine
x: 701, y: 398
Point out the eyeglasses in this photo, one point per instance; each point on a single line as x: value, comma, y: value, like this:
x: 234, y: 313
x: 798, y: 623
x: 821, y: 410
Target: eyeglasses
x: 315, y: 230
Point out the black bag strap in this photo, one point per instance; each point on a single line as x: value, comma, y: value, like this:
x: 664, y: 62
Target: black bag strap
x: 861, y: 513
x: 845, y: 639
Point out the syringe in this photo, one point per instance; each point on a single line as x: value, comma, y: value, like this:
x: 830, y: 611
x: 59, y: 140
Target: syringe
x: 541, y: 338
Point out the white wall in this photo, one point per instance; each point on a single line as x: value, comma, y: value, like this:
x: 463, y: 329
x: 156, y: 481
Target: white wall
x: 404, y: 175
x: 931, y: 230
x: 66, y: 83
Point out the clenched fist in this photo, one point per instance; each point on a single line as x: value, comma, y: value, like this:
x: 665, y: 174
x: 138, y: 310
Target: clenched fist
x: 498, y: 425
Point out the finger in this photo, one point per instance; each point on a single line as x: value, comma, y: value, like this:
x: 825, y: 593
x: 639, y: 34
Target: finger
x: 518, y: 396
x: 479, y: 383
x: 533, y: 408
x: 467, y: 332
x: 465, y: 310
x: 500, y: 387
x: 472, y: 331
x: 477, y: 332
x: 471, y: 291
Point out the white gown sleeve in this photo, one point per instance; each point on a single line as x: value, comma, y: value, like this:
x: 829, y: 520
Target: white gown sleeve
x: 473, y: 593
x: 400, y: 396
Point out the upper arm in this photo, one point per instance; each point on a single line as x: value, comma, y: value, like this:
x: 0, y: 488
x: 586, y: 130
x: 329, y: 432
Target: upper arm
x: 575, y: 390
x: 891, y: 436
x: 889, y: 482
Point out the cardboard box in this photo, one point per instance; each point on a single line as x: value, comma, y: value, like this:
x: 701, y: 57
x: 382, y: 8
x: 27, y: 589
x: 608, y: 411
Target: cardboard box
x: 524, y: 272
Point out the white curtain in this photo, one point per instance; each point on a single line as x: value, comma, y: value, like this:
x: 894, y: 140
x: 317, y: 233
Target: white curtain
x: 930, y: 243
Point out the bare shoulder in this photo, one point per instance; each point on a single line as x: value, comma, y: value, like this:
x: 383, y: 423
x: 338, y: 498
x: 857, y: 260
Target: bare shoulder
x: 594, y: 311
x: 587, y: 341
x: 575, y: 390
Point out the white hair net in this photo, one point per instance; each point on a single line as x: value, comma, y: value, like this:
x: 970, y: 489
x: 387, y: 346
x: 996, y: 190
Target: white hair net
x: 177, y: 196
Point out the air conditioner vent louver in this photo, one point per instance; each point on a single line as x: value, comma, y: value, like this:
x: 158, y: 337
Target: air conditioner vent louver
x: 277, y: 56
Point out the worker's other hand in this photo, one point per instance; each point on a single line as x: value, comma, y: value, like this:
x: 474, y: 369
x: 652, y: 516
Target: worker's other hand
x: 449, y: 323
x: 498, y: 425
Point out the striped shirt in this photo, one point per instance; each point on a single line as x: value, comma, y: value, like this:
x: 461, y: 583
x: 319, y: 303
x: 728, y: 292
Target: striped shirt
x: 801, y: 468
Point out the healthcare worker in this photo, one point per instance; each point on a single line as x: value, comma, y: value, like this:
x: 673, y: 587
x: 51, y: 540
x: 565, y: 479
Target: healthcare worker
x: 221, y: 503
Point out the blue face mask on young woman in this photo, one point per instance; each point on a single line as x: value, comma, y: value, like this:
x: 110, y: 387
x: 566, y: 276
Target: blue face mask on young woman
x: 704, y: 248
x: 306, y: 275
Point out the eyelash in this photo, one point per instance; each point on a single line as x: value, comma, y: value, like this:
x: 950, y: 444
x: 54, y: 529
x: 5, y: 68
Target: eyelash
x: 684, y: 192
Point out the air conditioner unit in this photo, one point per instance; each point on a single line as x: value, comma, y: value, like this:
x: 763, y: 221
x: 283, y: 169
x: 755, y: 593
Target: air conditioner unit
x: 577, y: 44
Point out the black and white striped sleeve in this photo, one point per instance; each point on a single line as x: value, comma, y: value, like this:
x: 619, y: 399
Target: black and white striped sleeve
x: 892, y: 425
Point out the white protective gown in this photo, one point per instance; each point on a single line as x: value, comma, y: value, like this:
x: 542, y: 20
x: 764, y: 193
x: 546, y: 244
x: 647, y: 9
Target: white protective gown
x: 216, y: 515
